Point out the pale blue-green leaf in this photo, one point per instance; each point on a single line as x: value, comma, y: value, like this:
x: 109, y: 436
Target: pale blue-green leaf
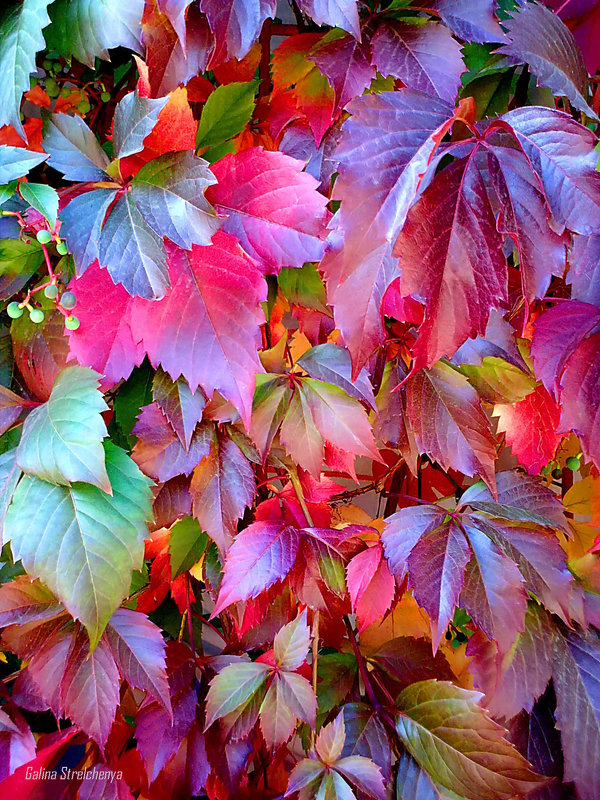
x: 73, y: 149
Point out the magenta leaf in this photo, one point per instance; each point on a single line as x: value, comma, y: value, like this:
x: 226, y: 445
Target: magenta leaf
x: 581, y: 396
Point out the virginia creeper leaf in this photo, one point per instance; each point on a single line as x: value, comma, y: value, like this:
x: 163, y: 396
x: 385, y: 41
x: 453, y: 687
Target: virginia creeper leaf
x: 73, y: 149
x: 168, y: 191
x: 62, y: 439
x: 187, y: 543
x: 346, y: 63
x: 16, y: 161
x: 43, y: 198
x: 370, y: 584
x: 82, y: 542
x: 291, y: 644
x: 331, y: 363
x: 337, y: 13
x: 23, y: 600
x: 87, y: 29
x: 226, y: 113
x: 461, y: 748
x: 581, y: 396
x: 236, y: 25
x: 477, y: 23
x: 272, y: 207
x: 180, y: 406
x: 233, y: 687
x: 135, y: 117
x: 20, y: 40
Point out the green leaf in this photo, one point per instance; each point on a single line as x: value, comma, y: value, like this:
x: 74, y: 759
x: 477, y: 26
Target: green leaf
x: 62, y: 439
x: 43, y: 198
x: 7, y: 191
x: 134, y: 393
x: 81, y: 542
x: 233, y: 687
x: 186, y: 544
x: 459, y: 746
x: 304, y: 287
x: 18, y: 262
x: 21, y: 26
x: 87, y: 29
x: 226, y: 113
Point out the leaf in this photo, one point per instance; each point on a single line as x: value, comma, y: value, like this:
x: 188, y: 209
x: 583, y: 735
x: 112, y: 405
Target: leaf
x: 456, y: 265
x: 370, y: 585
x: 412, y: 782
x: 538, y: 37
x: 89, y: 687
x: 187, y: 543
x: 43, y: 198
x: 233, y: 687
x: 222, y: 486
x: 581, y: 395
x: 436, y: 566
x: 18, y: 262
x: 62, y: 439
x: 81, y: 542
x: 337, y: 13
x: 226, y: 113
x: 583, y: 275
x: 406, y: 660
x: 181, y: 407
x: 424, y: 57
x: 260, y: 555
x: 575, y: 677
x: 366, y: 736
x: 82, y: 220
x: 236, y: 25
x: 17, y: 745
x: 404, y: 529
x: 23, y: 600
x: 135, y: 118
x: 132, y: 253
x: 158, y: 451
x: 139, y: 652
x: 73, y: 149
x: 524, y: 215
x: 498, y: 381
x: 383, y: 149
x: 169, y: 193
x: 446, y: 731
x: 477, y: 23
x: 561, y: 152
x: 521, y: 675
x: 448, y: 423
x: 218, y: 289
x: 291, y: 644
x: 493, y: 592
x: 87, y: 29
x: 272, y: 207
x: 20, y: 40
x: 331, y: 363
x: 346, y: 63
x: 9, y: 477
x: 530, y: 427
x: 16, y: 161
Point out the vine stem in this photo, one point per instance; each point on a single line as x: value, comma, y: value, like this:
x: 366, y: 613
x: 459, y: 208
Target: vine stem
x: 315, y: 662
x: 362, y: 667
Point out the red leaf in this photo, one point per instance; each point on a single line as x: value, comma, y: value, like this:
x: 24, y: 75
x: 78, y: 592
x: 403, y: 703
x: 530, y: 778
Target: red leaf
x: 581, y: 397
x: 530, y: 427
x: 448, y: 423
x: 272, y: 207
x: 207, y: 326
x: 371, y: 585
x: 451, y: 255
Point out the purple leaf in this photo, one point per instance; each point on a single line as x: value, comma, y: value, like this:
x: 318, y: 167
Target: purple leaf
x: 584, y: 270
x: 181, y: 407
x: 346, y: 63
x: 473, y: 23
x: 236, y: 25
x: 562, y: 153
x: 404, y: 529
x: 337, y: 13
x: 424, y: 57
x: 581, y: 397
x: 330, y: 363
x: 537, y: 36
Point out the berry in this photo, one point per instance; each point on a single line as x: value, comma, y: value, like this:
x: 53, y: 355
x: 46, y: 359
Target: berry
x: 71, y: 323
x: 52, y: 89
x: 573, y: 463
x: 62, y: 249
x: 47, y: 64
x: 36, y: 315
x: 51, y: 291
x: 32, y: 82
x: 65, y: 92
x: 44, y: 237
x: 14, y: 310
x: 84, y: 107
x: 105, y: 97
x: 556, y: 473
x: 68, y: 300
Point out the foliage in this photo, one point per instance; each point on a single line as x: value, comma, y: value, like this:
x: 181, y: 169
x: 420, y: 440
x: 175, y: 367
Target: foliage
x: 299, y: 400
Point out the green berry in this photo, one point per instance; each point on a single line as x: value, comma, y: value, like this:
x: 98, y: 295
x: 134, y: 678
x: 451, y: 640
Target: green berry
x: 32, y: 82
x: 547, y: 469
x: 62, y: 249
x: 52, y: 89
x: 43, y: 236
x: 68, y: 300
x: 14, y: 310
x: 573, y: 463
x: 105, y: 97
x: 84, y: 107
x: 47, y: 64
x: 36, y: 315
x: 71, y: 323
x: 65, y: 92
x: 51, y: 291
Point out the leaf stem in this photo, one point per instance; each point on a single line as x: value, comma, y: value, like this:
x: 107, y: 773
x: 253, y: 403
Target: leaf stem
x: 362, y: 667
